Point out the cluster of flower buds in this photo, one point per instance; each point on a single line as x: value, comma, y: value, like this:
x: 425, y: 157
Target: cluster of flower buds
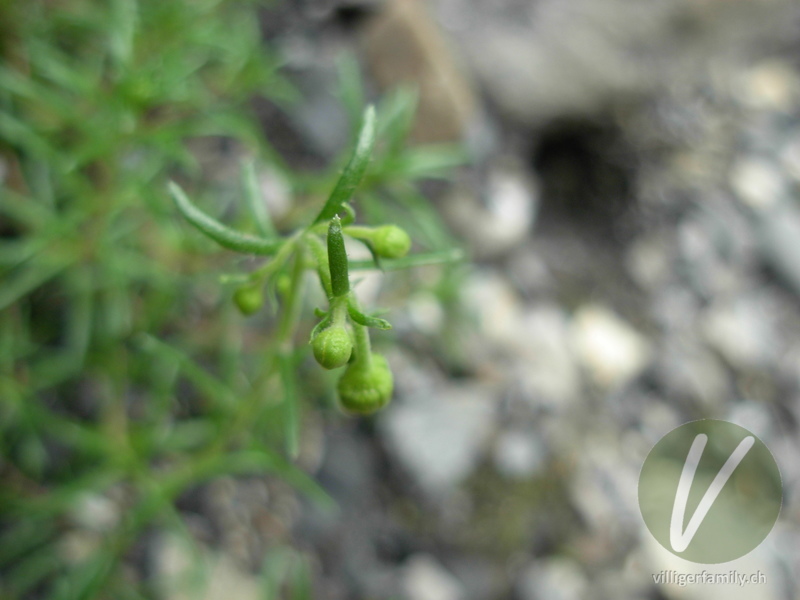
x: 342, y: 337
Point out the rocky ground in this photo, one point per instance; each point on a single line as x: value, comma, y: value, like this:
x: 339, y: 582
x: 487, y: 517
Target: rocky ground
x: 632, y: 211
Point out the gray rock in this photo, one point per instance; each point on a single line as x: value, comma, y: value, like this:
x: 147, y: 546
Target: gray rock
x: 603, y: 486
x: 778, y: 232
x: 742, y: 330
x: 426, y: 579
x: 184, y: 571
x: 614, y: 50
x: 519, y: 454
x: 95, y: 512
x: 687, y: 369
x: 611, y: 351
x: 553, y: 579
x: 404, y: 45
x: 546, y: 370
x: 770, y: 85
x: 529, y: 272
x: 496, y: 213
x: 495, y: 305
x: 650, y: 261
x: 758, y: 182
x: 439, y: 436
x: 675, y: 308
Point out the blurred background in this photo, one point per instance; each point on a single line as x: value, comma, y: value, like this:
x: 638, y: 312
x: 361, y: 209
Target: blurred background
x: 623, y: 177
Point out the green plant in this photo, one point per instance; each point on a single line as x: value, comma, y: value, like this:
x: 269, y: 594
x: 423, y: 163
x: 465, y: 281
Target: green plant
x: 126, y: 376
x: 366, y: 384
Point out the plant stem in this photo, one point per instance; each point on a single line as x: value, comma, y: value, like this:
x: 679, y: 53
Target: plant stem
x: 360, y: 232
x: 363, y: 348
x: 260, y: 274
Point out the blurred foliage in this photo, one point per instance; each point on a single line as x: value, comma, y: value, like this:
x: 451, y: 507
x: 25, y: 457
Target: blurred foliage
x: 125, y: 376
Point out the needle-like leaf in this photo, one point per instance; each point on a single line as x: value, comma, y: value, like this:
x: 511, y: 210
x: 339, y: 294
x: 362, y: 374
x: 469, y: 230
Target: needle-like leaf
x: 222, y: 234
x: 354, y: 171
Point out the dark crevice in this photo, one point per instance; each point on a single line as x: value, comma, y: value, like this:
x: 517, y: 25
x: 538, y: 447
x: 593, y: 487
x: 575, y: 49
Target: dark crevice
x: 586, y: 171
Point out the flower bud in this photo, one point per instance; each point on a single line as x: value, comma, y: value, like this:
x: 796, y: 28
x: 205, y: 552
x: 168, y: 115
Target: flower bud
x: 248, y: 299
x: 366, y: 387
x: 332, y: 347
x: 390, y: 241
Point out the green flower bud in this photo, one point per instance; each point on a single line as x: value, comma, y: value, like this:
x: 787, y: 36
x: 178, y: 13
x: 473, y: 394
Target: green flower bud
x: 283, y: 284
x: 366, y: 386
x: 337, y: 259
x: 390, y: 241
x: 248, y: 299
x: 332, y: 347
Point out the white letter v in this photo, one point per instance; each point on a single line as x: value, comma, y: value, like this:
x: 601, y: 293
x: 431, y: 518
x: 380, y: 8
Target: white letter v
x: 679, y: 539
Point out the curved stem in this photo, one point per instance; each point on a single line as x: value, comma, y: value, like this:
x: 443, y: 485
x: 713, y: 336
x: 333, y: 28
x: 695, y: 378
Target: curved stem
x: 339, y: 310
x: 363, y: 347
x: 277, y: 262
x: 359, y: 232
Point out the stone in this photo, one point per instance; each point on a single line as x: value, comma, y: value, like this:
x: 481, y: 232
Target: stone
x: 615, y: 51
x: 184, y: 572
x: 426, y: 579
x: 439, y: 436
x: 740, y: 330
x: 757, y: 182
x: 769, y: 85
x: 545, y: 367
x: 611, y: 351
x: 403, y: 44
x: 553, y: 579
x: 529, y: 272
x: 790, y: 157
x: 649, y: 261
x: 519, y: 454
x: 95, y: 512
x: 426, y: 313
x: 495, y: 305
x: 495, y: 214
x: 686, y: 368
x: 603, y: 486
x: 778, y: 233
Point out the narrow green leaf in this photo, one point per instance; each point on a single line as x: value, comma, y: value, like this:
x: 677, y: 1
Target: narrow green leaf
x: 223, y: 235
x: 122, y: 31
x: 367, y: 320
x: 84, y: 581
x: 205, y: 382
x: 17, y: 132
x: 30, y: 279
x: 354, y: 172
x: 395, y: 118
x: 24, y: 536
x: 32, y: 570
